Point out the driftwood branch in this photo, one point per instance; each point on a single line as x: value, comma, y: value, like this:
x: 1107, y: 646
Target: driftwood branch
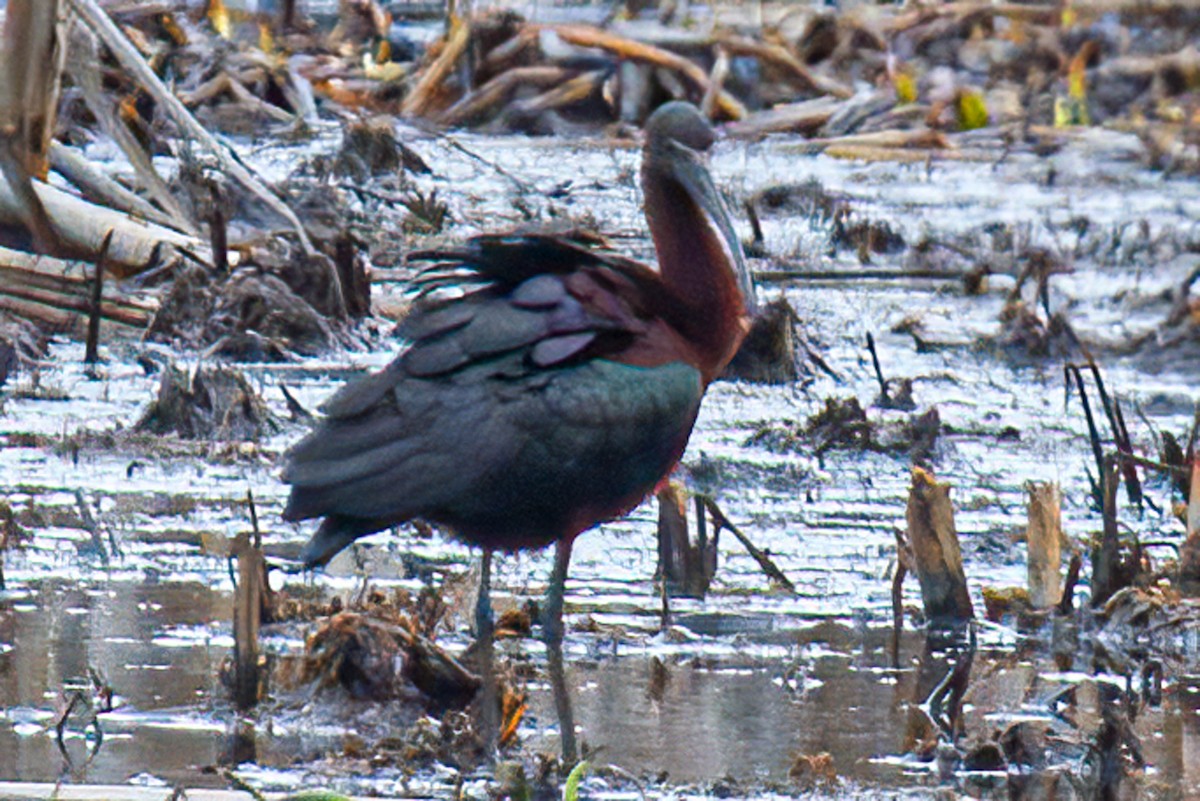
x: 99, y: 188
x: 59, y: 293
x: 497, y: 91
x: 430, y: 80
x: 81, y: 226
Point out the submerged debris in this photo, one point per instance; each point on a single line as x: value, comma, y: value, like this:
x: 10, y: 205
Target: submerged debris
x: 212, y: 403
x: 250, y: 316
x: 768, y: 354
x: 843, y: 424
x: 20, y: 344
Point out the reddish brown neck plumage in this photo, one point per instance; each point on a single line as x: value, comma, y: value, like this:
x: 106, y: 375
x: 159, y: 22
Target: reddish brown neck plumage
x: 698, y: 258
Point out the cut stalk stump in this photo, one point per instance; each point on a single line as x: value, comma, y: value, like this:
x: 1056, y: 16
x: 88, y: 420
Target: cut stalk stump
x: 937, y: 558
x: 1044, y: 541
x: 685, y: 566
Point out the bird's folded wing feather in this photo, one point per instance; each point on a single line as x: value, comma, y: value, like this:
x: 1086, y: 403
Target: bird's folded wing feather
x: 522, y: 324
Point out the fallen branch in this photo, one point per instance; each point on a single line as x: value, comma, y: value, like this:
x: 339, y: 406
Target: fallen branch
x: 805, y: 118
x: 803, y: 274
x: 59, y: 294
x: 99, y: 188
x: 588, y: 36
x: 82, y: 226
x: 764, y: 561
x: 496, y: 92
x: 430, y: 79
x: 780, y: 58
x: 572, y: 91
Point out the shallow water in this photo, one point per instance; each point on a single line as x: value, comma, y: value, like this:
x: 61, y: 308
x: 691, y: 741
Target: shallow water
x: 755, y: 676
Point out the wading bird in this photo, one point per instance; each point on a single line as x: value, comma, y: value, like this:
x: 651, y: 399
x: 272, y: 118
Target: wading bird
x: 553, y: 392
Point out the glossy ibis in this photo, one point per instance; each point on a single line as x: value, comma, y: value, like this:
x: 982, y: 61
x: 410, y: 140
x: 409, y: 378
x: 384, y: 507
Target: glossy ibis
x: 553, y: 392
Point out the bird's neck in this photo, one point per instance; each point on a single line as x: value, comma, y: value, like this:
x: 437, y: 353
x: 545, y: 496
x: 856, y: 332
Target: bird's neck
x: 699, y: 257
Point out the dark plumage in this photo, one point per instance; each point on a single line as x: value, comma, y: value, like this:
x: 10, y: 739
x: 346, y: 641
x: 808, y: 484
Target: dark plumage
x: 553, y: 393
x: 511, y: 417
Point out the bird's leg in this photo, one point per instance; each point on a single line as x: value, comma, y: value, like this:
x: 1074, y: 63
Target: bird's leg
x: 552, y: 633
x: 552, y: 611
x: 485, y: 644
x: 562, y: 704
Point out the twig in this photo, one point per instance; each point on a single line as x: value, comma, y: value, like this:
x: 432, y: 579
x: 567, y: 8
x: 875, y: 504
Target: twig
x: 522, y: 186
x: 883, y: 387
x: 801, y: 274
x: 764, y: 562
x: 1097, y: 450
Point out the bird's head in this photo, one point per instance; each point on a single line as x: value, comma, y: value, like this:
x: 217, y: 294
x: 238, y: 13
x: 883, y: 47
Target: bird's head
x: 674, y: 173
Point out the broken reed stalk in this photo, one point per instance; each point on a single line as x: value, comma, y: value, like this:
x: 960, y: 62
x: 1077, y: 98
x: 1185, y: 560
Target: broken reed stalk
x: 685, y: 567
x: 1116, y: 422
x: 765, y: 563
x: 217, y: 233
x: 1044, y: 538
x: 937, y: 557
x: 31, y: 64
x: 92, y: 351
x: 1067, y: 603
x: 904, y: 559
x: 1069, y: 371
x: 247, y: 611
x: 1106, y: 557
x: 883, y: 387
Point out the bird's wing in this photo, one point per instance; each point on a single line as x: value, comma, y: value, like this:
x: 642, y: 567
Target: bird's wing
x: 468, y: 356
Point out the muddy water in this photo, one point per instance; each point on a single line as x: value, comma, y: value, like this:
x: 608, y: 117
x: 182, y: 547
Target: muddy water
x: 750, y: 677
